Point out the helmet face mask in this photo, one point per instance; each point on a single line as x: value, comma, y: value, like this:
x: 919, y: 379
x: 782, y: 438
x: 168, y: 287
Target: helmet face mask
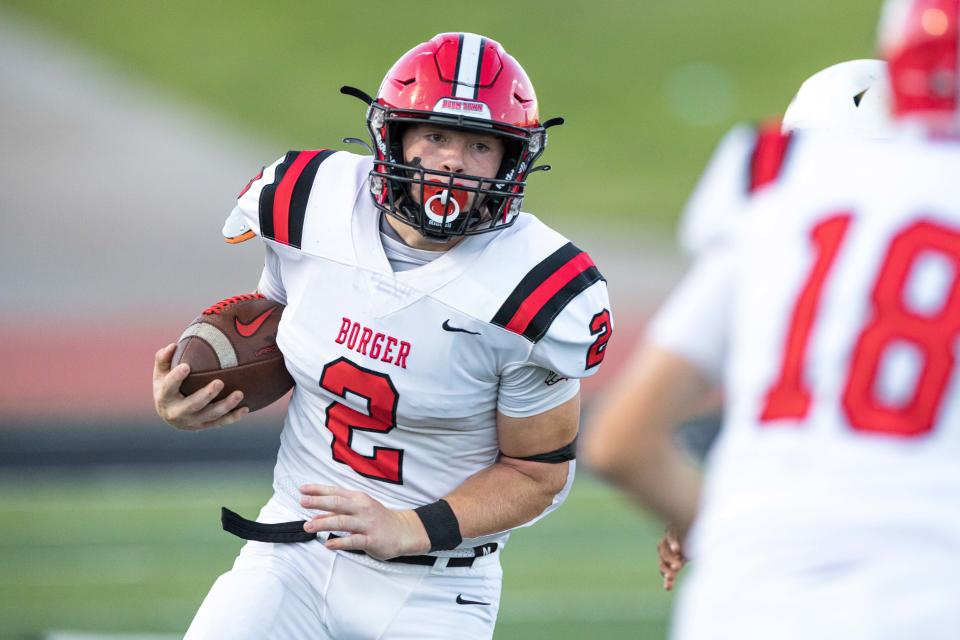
x: 491, y: 95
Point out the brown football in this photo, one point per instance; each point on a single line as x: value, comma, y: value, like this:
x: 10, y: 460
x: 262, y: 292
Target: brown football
x: 235, y: 341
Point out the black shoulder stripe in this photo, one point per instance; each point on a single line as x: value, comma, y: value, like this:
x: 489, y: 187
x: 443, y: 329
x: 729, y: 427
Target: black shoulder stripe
x: 541, y: 322
x: 301, y: 193
x: 283, y: 202
x: 545, y: 291
x: 532, y: 280
x: 268, y: 192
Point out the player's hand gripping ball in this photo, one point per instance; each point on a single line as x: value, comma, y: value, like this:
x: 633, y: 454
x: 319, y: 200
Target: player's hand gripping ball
x: 235, y: 341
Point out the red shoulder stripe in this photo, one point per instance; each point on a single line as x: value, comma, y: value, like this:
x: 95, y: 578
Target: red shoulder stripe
x: 530, y: 307
x: 768, y: 156
x: 281, y: 203
x: 545, y: 291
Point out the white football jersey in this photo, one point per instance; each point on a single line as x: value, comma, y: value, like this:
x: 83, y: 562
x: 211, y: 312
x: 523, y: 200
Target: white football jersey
x: 831, y: 506
x: 399, y: 375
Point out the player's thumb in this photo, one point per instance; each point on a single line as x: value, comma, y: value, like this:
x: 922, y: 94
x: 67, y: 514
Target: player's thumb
x: 162, y: 360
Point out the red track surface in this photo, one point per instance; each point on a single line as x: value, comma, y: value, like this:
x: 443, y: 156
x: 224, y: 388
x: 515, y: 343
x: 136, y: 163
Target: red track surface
x: 94, y: 372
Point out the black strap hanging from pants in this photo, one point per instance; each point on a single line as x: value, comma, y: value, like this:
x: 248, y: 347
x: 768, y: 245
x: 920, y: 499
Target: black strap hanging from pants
x: 293, y: 532
x: 252, y: 530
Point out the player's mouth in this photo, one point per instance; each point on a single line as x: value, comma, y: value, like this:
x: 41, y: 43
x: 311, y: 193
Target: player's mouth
x: 442, y: 204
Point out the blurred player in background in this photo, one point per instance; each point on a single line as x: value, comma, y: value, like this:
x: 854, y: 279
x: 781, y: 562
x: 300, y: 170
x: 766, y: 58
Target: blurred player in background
x: 831, y: 314
x: 850, y: 99
x: 436, y: 335
x: 846, y: 99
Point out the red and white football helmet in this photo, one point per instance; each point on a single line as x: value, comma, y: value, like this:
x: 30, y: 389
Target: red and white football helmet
x: 919, y: 39
x: 465, y: 81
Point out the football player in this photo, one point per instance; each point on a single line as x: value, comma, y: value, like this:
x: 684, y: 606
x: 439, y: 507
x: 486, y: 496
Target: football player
x: 846, y: 99
x: 831, y: 314
x: 436, y: 335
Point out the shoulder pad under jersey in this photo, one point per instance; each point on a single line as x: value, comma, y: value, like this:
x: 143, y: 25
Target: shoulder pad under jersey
x: 273, y: 205
x: 747, y: 160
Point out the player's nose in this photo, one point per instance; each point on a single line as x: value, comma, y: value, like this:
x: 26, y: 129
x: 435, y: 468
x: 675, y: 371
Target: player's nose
x: 453, y: 158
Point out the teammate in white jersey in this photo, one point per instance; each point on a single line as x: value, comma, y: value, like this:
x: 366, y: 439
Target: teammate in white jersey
x: 831, y: 317
x: 849, y: 98
x: 436, y: 335
x: 846, y: 99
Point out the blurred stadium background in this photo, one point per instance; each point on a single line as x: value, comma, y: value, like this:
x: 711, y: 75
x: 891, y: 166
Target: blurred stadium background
x: 126, y: 128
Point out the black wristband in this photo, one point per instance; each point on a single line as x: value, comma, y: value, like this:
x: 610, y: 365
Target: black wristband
x: 441, y: 524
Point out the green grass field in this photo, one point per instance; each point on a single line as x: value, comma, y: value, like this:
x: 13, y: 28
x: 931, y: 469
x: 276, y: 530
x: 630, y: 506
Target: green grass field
x: 647, y: 87
x: 136, y: 549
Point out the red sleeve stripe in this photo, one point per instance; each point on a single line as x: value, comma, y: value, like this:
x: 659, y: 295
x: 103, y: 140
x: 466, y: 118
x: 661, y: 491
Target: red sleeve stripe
x: 545, y: 291
x: 550, y: 287
x: 283, y: 204
x: 768, y: 157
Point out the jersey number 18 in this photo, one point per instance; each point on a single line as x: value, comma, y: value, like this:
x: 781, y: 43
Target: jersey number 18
x: 891, y: 320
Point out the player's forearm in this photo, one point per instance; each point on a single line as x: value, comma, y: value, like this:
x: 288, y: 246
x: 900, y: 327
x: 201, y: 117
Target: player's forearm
x: 630, y: 439
x: 668, y: 484
x: 652, y: 469
x: 506, y: 495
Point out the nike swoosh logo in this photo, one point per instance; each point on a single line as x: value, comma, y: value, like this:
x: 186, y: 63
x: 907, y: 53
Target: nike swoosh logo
x: 447, y: 327
x: 460, y: 600
x: 247, y: 329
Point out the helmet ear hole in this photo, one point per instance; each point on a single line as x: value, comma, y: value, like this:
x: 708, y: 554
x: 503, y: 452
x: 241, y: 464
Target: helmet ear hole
x: 397, y: 130
x: 512, y: 150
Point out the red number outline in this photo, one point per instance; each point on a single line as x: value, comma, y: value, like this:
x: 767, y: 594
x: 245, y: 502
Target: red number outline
x: 890, y: 320
x: 340, y: 376
x: 789, y: 396
x: 600, y: 327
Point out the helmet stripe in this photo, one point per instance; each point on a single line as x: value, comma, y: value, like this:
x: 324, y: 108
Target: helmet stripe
x: 469, y: 60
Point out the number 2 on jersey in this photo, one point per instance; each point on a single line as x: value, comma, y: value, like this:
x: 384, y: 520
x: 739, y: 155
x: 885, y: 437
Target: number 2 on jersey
x: 891, y: 321
x: 342, y: 375
x: 600, y: 327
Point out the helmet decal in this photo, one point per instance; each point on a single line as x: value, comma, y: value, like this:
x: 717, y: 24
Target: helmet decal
x: 462, y: 107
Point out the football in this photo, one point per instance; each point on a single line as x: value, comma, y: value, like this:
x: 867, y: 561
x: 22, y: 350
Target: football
x: 235, y: 341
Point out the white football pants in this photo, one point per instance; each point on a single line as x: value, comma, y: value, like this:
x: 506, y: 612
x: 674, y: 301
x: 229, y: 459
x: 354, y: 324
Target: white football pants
x: 304, y: 590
